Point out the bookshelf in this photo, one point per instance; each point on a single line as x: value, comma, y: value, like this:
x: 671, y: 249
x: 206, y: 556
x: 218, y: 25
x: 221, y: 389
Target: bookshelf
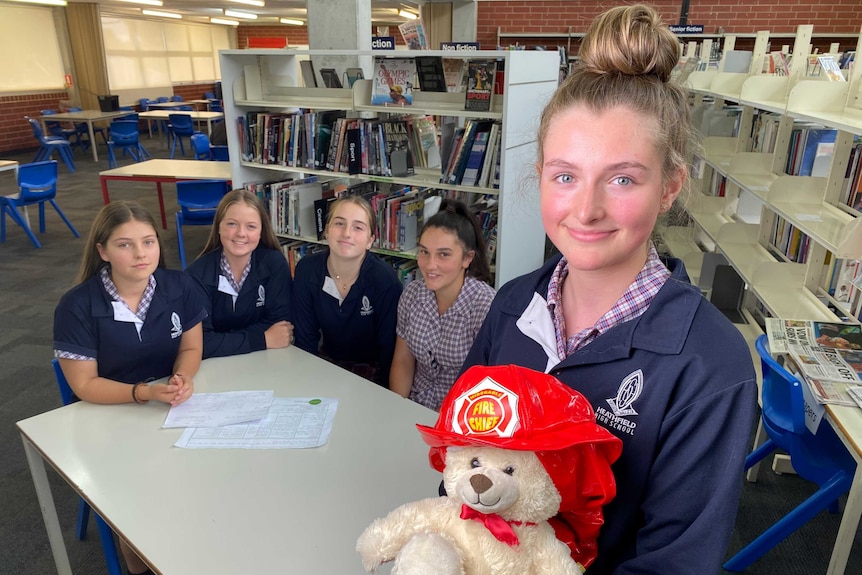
x: 270, y: 80
x: 787, y: 274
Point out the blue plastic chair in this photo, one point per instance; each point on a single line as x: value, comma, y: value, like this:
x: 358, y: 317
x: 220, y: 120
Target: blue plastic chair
x: 201, y: 146
x: 38, y: 184
x: 109, y: 547
x: 81, y: 128
x: 181, y: 126
x: 124, y: 135
x: 49, y: 145
x: 56, y: 129
x: 216, y: 106
x: 176, y: 98
x: 219, y: 153
x: 209, y: 96
x: 820, y: 458
x: 198, y: 200
x: 162, y: 99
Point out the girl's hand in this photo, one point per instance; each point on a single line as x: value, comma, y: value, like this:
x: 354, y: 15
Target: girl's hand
x: 279, y: 335
x: 178, y: 389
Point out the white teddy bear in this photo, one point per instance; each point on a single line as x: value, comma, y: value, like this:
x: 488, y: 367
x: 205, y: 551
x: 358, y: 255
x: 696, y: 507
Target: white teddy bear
x: 516, y: 448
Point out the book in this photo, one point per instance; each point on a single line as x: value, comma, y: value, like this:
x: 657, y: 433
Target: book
x: 308, y: 77
x: 321, y: 212
x: 430, y: 72
x: 831, y: 69
x: 411, y: 222
x: 814, y: 141
x: 476, y: 159
x: 397, y: 141
x: 354, y: 151
x: 393, y: 81
x: 453, y: 71
x: 480, y: 84
x: 330, y: 78
x: 413, y: 32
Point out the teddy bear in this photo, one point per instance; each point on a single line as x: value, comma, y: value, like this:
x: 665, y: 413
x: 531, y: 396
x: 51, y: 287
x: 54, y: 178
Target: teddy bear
x: 526, y: 471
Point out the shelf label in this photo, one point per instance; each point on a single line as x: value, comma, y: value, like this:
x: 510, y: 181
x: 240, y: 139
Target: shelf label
x: 686, y: 28
x: 383, y: 43
x: 459, y: 46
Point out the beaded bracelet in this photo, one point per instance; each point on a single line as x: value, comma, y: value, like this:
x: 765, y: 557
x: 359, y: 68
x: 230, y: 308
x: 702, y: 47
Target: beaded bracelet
x: 135, y: 393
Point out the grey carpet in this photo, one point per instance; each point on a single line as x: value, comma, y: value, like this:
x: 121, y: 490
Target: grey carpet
x: 31, y: 282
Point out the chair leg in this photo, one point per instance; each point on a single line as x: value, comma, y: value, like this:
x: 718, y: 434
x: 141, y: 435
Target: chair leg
x: 15, y: 215
x: 109, y: 547
x: 41, y: 217
x: 173, y: 145
x: 83, y: 520
x: 180, y: 241
x: 65, y: 219
x: 804, y: 512
x: 66, y: 155
x: 143, y: 151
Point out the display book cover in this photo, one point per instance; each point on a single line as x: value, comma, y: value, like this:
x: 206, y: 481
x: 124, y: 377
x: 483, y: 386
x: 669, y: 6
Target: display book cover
x: 393, y: 81
x: 480, y: 84
x: 431, y: 75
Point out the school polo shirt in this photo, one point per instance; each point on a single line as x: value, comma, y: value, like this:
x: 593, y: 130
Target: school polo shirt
x: 237, y: 324
x: 84, y: 324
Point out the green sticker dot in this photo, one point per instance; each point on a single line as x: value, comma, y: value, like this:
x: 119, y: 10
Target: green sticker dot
x: 314, y: 401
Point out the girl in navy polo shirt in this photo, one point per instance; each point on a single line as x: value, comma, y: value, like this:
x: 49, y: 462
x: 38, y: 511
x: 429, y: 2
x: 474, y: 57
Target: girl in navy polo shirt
x: 346, y: 297
x: 439, y: 315
x: 246, y: 280
x: 129, y: 320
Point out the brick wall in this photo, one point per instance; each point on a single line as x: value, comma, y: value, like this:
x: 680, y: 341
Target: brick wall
x: 735, y: 16
x: 193, y: 91
x: 15, y: 131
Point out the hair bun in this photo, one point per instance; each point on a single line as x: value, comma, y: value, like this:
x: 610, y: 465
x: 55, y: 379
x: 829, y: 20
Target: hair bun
x: 630, y: 40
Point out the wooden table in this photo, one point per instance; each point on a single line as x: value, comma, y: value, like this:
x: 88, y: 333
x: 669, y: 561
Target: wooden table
x: 89, y: 117
x: 847, y: 422
x: 223, y: 512
x: 207, y: 117
x: 161, y: 171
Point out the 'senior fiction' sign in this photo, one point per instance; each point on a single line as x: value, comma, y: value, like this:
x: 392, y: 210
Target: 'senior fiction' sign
x: 686, y: 28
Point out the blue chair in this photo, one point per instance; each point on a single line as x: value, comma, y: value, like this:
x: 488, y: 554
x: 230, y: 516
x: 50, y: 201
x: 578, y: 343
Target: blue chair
x: 219, y: 153
x: 162, y: 99
x: 109, y: 547
x: 201, y: 146
x: 56, y: 129
x: 38, y: 184
x: 198, y: 200
x: 124, y: 135
x: 820, y: 458
x: 209, y: 96
x: 216, y: 106
x: 81, y: 128
x: 176, y: 98
x: 181, y: 126
x: 49, y: 145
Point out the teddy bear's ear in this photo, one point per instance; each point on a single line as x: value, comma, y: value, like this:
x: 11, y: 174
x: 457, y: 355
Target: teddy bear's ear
x: 437, y: 458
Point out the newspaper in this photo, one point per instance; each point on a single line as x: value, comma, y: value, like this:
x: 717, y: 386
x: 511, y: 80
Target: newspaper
x: 828, y: 355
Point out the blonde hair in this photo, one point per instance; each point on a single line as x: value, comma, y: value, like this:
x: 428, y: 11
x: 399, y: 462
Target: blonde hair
x: 108, y: 219
x: 626, y: 59
x: 362, y: 203
x: 241, y: 196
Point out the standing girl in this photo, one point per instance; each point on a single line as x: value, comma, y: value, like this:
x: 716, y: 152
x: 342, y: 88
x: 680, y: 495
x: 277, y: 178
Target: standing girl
x: 664, y: 370
x: 346, y: 297
x: 246, y: 280
x: 439, y: 315
x: 129, y: 321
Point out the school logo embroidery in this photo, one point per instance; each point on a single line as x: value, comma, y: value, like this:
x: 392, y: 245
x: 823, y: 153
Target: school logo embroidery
x: 261, y: 296
x: 630, y: 389
x: 486, y: 408
x: 177, y: 330
x: 366, y: 308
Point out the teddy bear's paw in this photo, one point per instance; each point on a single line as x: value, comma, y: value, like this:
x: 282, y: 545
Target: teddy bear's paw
x: 428, y: 554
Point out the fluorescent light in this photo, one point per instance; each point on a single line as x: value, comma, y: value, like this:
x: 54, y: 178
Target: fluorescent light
x: 223, y: 21
x: 148, y: 2
x: 162, y: 14
x: 259, y: 3
x: 408, y: 15
x: 48, y: 2
x: 291, y: 22
x: 239, y: 14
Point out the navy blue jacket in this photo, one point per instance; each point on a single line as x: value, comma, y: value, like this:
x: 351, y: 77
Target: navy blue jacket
x: 84, y: 324
x: 265, y: 298
x: 362, y: 328
x: 678, y: 387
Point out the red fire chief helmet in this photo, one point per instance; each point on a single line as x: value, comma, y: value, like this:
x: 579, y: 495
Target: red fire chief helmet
x: 512, y: 407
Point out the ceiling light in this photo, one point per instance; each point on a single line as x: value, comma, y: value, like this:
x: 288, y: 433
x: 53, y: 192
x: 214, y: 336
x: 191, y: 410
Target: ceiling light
x: 162, y: 14
x: 291, y: 22
x: 223, y: 21
x: 408, y: 15
x: 239, y: 14
x: 49, y: 2
x: 148, y: 2
x: 259, y: 3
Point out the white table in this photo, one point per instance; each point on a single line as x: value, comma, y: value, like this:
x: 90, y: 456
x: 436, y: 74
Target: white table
x: 238, y: 511
x: 847, y: 422
x: 207, y: 117
x: 87, y: 116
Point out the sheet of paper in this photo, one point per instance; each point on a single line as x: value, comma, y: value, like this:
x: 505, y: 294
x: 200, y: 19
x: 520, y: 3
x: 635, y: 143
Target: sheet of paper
x: 220, y: 409
x: 292, y: 422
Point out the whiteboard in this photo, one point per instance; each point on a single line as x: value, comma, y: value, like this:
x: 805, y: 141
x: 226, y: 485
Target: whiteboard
x: 31, y: 52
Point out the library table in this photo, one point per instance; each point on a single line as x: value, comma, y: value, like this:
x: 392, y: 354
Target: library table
x: 847, y: 422
x: 232, y: 511
x: 207, y: 117
x: 89, y: 117
x: 160, y: 171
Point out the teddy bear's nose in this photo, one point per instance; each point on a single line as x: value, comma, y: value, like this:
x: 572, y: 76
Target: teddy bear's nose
x: 481, y: 483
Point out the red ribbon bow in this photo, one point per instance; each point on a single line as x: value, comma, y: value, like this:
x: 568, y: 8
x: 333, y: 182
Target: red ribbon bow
x: 499, y: 527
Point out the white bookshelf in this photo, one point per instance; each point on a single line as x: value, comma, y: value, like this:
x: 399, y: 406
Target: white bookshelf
x: 270, y: 80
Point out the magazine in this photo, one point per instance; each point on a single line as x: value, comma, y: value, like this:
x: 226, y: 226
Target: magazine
x: 413, y: 33
x: 480, y: 84
x: 831, y: 69
x: 393, y: 81
x: 828, y: 355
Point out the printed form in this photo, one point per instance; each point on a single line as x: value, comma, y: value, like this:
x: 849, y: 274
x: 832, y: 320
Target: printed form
x: 291, y: 423
x: 218, y: 409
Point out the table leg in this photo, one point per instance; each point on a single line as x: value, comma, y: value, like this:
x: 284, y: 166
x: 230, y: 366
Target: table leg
x: 93, y: 141
x: 49, y: 511
x: 162, y: 205
x: 105, y: 197
x: 209, y: 127
x: 849, y: 523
